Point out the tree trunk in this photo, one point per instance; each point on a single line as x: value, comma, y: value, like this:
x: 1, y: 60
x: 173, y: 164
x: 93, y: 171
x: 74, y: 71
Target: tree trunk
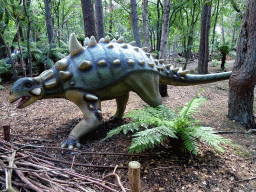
x: 145, y: 23
x: 164, y: 39
x: 99, y: 18
x: 136, y: 29
x: 243, y: 78
x: 158, y: 30
x: 204, y: 38
x: 89, y: 19
x: 215, y: 22
x: 28, y: 38
x: 48, y: 17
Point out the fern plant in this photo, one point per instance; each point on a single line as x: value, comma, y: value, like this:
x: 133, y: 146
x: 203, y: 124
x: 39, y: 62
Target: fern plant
x: 154, y: 125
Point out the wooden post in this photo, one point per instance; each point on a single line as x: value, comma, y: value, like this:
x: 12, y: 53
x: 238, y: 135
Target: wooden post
x: 134, y: 176
x: 6, y: 132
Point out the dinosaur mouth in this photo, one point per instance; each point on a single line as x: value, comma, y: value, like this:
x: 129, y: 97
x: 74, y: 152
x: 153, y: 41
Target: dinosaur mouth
x: 22, y: 100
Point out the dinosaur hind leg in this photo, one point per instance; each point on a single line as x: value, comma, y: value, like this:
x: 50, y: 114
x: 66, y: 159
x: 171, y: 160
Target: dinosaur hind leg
x: 147, y: 87
x: 121, y: 105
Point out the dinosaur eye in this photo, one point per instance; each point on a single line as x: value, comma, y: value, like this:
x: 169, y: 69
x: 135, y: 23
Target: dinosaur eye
x: 28, y: 85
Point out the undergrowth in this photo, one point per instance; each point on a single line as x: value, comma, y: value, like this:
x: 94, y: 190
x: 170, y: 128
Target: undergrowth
x: 152, y: 126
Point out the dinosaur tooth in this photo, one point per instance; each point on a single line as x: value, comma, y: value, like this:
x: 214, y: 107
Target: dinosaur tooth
x: 62, y: 64
x: 74, y: 46
x: 51, y: 83
x: 110, y: 45
x: 91, y: 97
x: 101, y: 40
x: 99, y: 112
x: 133, y: 43
x: 37, y: 79
x: 125, y: 46
x: 145, y: 49
x: 85, y: 65
x: 86, y: 41
x: 106, y: 39
x: 161, y: 61
x: 36, y: 91
x: 46, y: 74
x: 92, y: 42
x: 102, y: 63
x: 151, y: 64
x: 120, y: 40
x: 168, y: 72
x: 65, y: 75
x: 72, y: 83
x: 91, y: 107
x: 117, y: 62
x: 131, y: 62
x: 142, y: 62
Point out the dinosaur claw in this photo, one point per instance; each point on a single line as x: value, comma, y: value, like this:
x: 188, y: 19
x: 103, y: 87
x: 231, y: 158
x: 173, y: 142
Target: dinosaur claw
x: 71, y: 143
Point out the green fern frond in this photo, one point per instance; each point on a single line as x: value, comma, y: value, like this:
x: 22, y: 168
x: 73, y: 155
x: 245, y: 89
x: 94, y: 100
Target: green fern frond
x: 125, y: 128
x: 150, y: 137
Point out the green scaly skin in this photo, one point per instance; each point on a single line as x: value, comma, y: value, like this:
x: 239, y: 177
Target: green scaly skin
x: 103, y: 71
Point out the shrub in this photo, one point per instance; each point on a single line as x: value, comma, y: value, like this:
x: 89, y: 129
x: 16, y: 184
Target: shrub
x: 154, y: 125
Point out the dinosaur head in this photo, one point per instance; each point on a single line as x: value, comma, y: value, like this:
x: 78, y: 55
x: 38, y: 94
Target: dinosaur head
x: 26, y: 90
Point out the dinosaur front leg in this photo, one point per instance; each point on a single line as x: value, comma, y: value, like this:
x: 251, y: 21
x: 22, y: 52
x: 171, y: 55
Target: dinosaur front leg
x: 90, y: 106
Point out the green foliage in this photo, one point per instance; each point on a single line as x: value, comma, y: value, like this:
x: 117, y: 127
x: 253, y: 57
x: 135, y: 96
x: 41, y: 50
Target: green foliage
x: 155, y: 125
x: 215, y: 63
x: 224, y: 49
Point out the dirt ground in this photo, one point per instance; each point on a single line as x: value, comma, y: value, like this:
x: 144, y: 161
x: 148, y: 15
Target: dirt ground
x: 48, y: 122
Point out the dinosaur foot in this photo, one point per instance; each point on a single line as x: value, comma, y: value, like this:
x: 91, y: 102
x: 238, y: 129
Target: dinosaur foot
x: 115, y: 119
x: 70, y: 143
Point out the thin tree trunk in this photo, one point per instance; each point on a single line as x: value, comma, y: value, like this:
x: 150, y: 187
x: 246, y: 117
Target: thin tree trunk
x: 215, y: 22
x: 48, y: 17
x: 28, y: 38
x: 99, y: 18
x: 204, y: 39
x: 89, y: 19
x: 145, y: 23
x: 243, y: 78
x: 136, y: 29
x: 164, y: 40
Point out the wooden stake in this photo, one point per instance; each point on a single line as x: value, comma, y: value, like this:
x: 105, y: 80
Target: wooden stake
x: 134, y: 176
x: 6, y: 132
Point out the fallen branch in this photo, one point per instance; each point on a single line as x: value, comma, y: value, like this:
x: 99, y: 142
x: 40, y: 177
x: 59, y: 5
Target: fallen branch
x: 117, y: 177
x: 8, y: 174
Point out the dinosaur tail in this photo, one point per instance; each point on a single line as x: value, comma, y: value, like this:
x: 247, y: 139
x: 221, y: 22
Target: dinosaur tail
x: 181, y: 78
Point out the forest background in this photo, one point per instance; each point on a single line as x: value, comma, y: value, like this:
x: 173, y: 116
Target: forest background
x: 40, y: 29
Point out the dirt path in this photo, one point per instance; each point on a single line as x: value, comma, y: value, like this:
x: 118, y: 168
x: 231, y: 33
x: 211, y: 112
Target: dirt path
x: 162, y: 169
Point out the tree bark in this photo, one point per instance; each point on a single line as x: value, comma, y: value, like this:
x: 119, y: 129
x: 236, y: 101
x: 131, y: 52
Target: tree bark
x: 136, y: 29
x: 243, y: 78
x: 48, y: 17
x: 89, y: 19
x: 99, y: 18
x: 204, y: 38
x: 145, y: 23
x: 28, y: 37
